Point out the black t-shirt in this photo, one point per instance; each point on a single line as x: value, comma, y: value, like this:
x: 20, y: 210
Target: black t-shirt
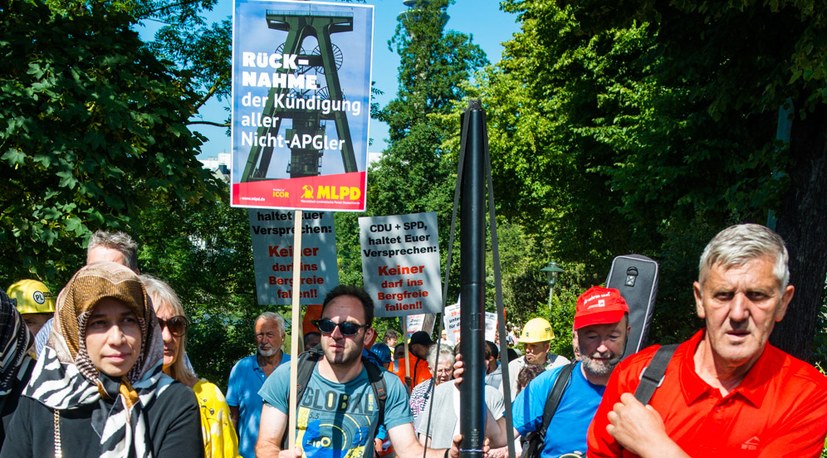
x: 8, y: 403
x: 173, y: 419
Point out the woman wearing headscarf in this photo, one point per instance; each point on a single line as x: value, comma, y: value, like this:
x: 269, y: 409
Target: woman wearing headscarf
x: 16, y: 363
x: 220, y: 439
x: 98, y: 389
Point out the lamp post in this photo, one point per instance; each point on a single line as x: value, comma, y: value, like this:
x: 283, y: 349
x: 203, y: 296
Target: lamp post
x: 552, y: 270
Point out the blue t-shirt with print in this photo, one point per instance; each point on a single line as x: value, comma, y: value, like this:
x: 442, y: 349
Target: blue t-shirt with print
x: 570, y: 424
x: 335, y: 420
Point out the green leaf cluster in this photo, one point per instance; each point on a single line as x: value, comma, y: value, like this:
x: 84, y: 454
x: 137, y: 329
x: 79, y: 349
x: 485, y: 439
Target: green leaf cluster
x: 648, y: 126
x: 95, y: 126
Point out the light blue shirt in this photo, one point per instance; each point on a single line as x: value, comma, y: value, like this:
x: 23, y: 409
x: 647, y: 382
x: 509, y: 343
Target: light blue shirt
x: 568, y: 428
x: 246, y: 379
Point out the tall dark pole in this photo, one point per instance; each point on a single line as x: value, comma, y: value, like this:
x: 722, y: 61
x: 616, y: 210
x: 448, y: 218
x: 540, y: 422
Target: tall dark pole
x: 472, y: 282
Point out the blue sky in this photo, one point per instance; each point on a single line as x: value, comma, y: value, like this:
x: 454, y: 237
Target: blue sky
x: 480, y: 18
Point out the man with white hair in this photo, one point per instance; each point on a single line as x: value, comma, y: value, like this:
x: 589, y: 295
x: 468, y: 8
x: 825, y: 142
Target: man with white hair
x: 248, y: 376
x: 116, y: 247
x: 727, y: 391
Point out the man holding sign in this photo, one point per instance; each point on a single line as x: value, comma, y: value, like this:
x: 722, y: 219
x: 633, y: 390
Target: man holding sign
x: 340, y: 376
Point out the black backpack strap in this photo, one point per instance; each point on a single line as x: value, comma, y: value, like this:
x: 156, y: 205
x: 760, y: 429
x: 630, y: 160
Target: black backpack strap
x: 377, y: 382
x: 553, y: 399
x: 653, y: 374
x: 306, y: 363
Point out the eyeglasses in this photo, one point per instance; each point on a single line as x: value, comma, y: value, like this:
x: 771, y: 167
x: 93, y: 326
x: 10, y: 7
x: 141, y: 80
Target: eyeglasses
x: 177, y: 325
x: 347, y: 328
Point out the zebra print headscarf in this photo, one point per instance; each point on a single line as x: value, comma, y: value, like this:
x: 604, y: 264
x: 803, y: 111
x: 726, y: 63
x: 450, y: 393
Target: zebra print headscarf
x: 15, y: 341
x: 65, y: 377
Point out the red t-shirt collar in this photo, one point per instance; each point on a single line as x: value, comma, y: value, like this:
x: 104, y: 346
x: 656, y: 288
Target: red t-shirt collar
x: 752, y: 388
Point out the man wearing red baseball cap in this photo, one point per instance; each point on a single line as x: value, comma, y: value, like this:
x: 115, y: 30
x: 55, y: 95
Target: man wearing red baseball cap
x: 601, y: 326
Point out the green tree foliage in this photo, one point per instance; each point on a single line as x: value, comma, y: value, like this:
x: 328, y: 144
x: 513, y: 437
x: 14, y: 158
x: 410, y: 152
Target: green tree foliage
x: 415, y: 174
x: 202, y: 250
x: 95, y: 127
x: 649, y: 126
x: 434, y: 64
x: 200, y: 49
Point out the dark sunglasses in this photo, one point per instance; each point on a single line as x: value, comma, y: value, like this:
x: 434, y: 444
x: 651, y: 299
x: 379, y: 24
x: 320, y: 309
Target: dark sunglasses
x: 345, y: 327
x: 177, y: 325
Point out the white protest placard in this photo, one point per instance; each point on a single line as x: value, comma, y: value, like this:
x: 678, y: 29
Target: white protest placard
x: 400, y: 263
x: 491, y: 326
x: 413, y: 323
x: 451, y: 322
x: 272, y: 235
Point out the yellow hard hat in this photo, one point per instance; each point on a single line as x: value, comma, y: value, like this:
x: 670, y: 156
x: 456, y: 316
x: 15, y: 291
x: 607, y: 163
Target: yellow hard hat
x: 536, y: 330
x: 32, y: 296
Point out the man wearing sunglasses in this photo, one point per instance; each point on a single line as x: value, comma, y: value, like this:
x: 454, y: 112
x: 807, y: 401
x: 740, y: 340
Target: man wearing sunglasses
x: 338, y: 406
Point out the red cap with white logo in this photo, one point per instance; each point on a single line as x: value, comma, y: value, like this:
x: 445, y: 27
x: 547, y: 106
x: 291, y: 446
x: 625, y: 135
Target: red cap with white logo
x: 599, y: 305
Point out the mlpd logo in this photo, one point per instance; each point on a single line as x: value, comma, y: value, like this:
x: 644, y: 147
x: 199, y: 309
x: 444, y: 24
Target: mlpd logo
x: 307, y: 192
x: 325, y: 192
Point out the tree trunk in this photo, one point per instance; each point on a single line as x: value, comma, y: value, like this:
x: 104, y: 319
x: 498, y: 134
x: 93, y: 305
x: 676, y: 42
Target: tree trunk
x: 802, y: 222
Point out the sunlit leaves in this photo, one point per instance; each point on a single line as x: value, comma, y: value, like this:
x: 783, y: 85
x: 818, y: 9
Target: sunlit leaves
x: 87, y: 127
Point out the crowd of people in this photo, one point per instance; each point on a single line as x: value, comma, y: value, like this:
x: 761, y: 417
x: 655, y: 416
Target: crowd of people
x: 102, y: 370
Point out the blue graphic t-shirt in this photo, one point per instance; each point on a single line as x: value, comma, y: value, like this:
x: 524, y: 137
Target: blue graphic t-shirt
x: 335, y: 420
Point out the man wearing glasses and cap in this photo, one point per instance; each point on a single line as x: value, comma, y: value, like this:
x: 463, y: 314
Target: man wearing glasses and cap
x: 419, y: 347
x: 338, y: 408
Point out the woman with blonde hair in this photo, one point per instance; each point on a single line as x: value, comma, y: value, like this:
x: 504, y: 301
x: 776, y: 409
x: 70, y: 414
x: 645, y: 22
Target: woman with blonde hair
x: 220, y: 439
x: 98, y: 389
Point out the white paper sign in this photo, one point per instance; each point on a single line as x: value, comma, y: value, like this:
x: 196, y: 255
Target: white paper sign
x: 413, y: 323
x: 400, y: 263
x: 272, y: 235
x: 451, y: 322
x: 491, y: 326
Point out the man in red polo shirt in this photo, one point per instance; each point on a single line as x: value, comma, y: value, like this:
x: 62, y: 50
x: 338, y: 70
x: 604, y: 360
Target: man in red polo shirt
x: 727, y: 391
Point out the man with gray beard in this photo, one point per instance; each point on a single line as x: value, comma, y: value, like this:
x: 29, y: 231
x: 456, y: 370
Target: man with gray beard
x: 601, y: 327
x: 248, y: 376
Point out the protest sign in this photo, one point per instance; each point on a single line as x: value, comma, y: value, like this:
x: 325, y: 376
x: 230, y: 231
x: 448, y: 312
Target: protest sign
x: 272, y: 235
x: 400, y: 263
x: 491, y: 326
x: 413, y: 323
x: 451, y: 322
x: 301, y: 103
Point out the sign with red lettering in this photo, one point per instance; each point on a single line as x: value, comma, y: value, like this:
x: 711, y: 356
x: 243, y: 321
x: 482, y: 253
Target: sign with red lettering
x: 272, y: 235
x: 451, y: 322
x: 301, y: 105
x: 400, y: 263
x: 414, y: 323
